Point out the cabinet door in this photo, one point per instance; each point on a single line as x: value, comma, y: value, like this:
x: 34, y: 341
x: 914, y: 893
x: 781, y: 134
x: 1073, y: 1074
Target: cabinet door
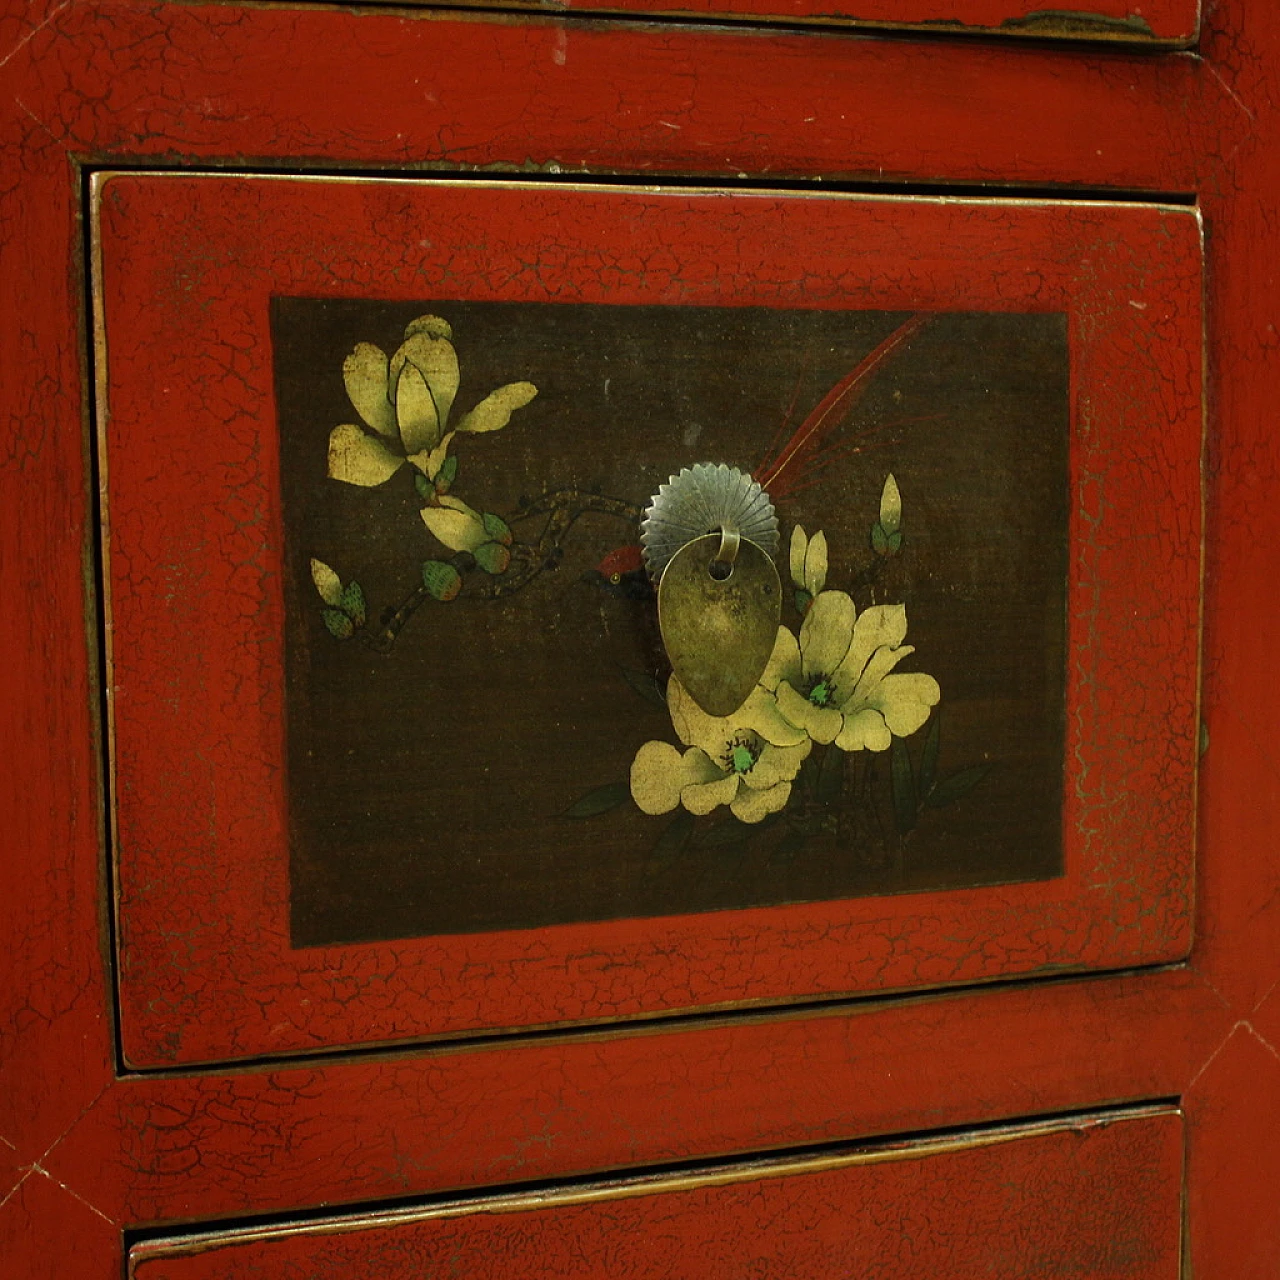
x: 387, y: 683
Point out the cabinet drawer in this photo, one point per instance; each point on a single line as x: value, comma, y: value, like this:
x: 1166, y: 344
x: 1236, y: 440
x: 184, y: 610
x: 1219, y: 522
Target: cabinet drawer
x: 1165, y: 23
x: 392, y: 759
x: 1097, y: 1198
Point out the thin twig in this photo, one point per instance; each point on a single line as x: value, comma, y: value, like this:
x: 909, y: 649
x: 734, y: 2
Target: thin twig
x: 562, y: 508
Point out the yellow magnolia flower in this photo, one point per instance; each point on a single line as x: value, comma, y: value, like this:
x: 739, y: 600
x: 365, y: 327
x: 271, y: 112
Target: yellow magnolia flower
x: 808, y: 560
x: 458, y: 526
x: 890, y: 505
x: 746, y: 760
x: 463, y: 528
x: 835, y: 681
x: 406, y: 401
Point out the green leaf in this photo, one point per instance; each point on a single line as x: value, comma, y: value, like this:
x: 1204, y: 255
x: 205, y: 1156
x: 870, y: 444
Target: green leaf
x: 803, y: 601
x: 492, y: 557
x: 831, y: 774
x: 352, y: 603
x: 601, y: 800
x: 442, y: 580
x: 728, y: 832
x: 957, y: 786
x: 340, y: 626
x: 903, y: 786
x: 675, y: 836
x: 646, y: 685
x: 424, y: 486
x: 884, y: 543
x: 929, y: 756
x: 448, y: 473
x: 497, y: 528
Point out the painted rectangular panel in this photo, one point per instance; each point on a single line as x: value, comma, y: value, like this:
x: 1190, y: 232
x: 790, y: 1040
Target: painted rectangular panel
x: 541, y: 665
x: 395, y: 752
x: 1097, y: 1198
x: 1164, y: 22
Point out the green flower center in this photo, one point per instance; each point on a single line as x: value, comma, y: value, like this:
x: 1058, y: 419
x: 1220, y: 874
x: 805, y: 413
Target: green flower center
x: 743, y: 753
x: 821, y: 692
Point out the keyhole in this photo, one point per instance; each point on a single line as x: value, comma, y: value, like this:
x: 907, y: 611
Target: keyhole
x: 720, y: 570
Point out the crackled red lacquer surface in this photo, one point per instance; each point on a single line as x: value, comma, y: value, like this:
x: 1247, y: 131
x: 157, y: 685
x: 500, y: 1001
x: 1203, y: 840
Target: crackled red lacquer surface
x: 189, y: 265
x: 1167, y: 21
x: 86, y: 1151
x: 1096, y: 1200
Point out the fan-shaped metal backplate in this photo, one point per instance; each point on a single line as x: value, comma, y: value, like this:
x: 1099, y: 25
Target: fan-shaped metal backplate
x: 704, y: 499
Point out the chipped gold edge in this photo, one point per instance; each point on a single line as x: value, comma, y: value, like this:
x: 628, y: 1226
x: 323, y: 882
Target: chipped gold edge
x: 678, y: 186
x: 1104, y: 36
x: 647, y: 1185
x: 101, y: 422
x: 1201, y: 727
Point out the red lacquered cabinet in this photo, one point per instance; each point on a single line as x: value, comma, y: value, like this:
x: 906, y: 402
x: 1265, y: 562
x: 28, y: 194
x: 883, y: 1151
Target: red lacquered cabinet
x: 375, y: 904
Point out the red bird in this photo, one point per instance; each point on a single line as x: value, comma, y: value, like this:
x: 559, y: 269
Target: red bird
x: 791, y: 464
x: 619, y: 569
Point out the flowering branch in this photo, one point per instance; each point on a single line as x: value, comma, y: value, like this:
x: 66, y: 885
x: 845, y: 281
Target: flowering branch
x: 563, y: 508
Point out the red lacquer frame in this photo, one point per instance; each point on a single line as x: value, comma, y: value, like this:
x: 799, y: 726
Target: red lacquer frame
x: 87, y: 1149
x: 188, y: 265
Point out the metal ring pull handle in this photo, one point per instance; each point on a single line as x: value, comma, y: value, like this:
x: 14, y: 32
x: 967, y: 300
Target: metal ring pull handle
x: 730, y: 541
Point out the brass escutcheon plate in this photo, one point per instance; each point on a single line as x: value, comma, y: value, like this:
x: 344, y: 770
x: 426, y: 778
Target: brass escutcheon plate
x: 719, y: 632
